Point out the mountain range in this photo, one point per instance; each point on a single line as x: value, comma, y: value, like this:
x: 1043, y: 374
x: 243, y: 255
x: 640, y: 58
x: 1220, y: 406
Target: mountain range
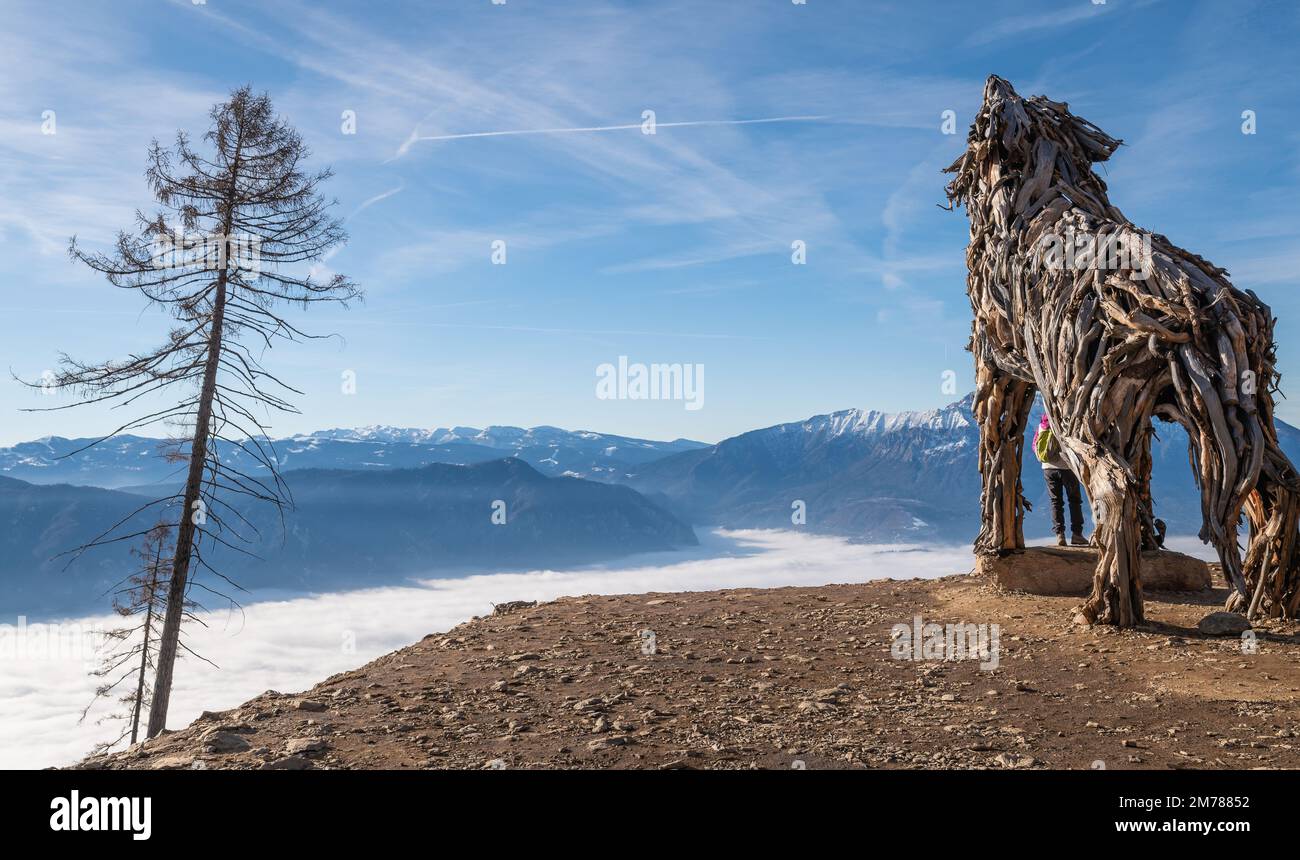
x: 134, y: 461
x: 347, y: 529
x: 858, y: 473
x: 379, y: 504
x: 882, y: 477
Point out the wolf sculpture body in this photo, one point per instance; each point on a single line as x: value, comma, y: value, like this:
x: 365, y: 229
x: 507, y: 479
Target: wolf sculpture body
x: 1114, y: 326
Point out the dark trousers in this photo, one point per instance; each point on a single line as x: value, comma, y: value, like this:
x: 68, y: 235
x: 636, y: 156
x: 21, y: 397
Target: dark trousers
x: 1058, y: 479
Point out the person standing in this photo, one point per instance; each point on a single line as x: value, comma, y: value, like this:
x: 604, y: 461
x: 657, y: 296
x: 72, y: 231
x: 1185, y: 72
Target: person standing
x: 1060, y: 479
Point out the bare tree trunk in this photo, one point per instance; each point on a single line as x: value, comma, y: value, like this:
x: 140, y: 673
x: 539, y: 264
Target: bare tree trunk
x: 169, y: 640
x: 149, y: 605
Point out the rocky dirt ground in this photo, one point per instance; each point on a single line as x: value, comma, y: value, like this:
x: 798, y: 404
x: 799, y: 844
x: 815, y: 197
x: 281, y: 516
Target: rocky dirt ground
x: 782, y: 678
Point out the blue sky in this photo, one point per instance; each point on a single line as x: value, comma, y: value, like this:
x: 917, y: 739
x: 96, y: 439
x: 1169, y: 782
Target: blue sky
x: 672, y: 247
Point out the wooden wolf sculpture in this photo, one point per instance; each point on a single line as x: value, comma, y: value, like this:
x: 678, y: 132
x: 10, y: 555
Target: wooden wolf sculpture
x: 1114, y: 325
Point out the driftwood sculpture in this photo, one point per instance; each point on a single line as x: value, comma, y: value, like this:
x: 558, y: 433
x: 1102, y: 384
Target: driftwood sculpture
x: 1113, y: 326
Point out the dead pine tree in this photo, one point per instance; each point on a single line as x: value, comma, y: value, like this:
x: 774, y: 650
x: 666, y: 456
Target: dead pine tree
x: 238, y: 229
x: 141, y: 598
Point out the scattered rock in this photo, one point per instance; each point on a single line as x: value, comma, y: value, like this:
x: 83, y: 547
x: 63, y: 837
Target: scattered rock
x: 512, y: 606
x: 309, y: 705
x: 222, y: 741
x: 606, y: 743
x: 289, y: 762
x: 305, y: 745
x: 1223, y: 624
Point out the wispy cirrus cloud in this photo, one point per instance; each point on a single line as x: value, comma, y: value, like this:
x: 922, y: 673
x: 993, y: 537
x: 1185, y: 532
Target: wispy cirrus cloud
x: 1021, y: 25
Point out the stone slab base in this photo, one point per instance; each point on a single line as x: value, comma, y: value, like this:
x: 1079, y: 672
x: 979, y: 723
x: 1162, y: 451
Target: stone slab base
x: 1069, y: 570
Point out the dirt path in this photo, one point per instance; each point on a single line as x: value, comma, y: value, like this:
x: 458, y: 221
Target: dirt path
x: 792, y: 677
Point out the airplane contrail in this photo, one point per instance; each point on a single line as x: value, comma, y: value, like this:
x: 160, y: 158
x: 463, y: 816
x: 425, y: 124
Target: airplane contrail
x: 416, y: 137
x: 372, y: 201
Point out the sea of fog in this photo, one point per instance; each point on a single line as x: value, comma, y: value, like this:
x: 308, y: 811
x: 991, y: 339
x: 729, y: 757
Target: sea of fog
x: 291, y: 644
